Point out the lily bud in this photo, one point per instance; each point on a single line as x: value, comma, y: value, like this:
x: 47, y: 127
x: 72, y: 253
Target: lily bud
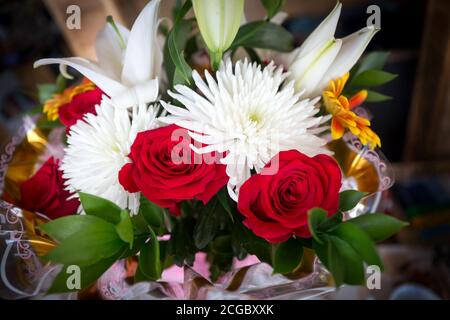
x: 219, y: 22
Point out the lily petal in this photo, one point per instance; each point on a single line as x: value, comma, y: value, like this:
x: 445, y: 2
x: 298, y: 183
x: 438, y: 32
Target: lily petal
x: 308, y: 71
x: 323, y: 33
x: 109, y: 51
x: 139, y: 63
x: 158, y: 52
x: 139, y: 94
x: 90, y: 70
x: 353, y: 47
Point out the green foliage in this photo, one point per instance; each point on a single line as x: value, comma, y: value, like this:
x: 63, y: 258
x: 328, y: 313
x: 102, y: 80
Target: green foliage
x: 316, y: 216
x: 220, y: 256
x: 287, y: 256
x: 208, y: 224
x: 104, y: 235
x: 367, y: 74
x: 149, y: 258
x: 125, y: 228
x: 244, y: 242
x: 153, y: 214
x: 375, y: 60
x: 361, y: 243
x: 89, y: 274
x: 62, y: 228
x: 344, y: 247
x: 179, y: 71
x: 372, y: 78
x: 272, y: 7
x: 100, y: 207
x: 224, y: 200
x: 87, y: 246
x: 263, y: 35
x: 181, y: 245
x: 378, y: 226
x: 373, y: 96
x: 349, y: 199
x: 44, y: 123
x: 48, y: 90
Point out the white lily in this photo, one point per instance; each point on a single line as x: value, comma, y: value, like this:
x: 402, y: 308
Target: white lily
x: 322, y: 57
x: 128, y: 62
x: 219, y: 22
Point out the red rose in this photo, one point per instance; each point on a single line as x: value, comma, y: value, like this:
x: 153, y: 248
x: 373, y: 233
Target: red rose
x: 44, y: 192
x: 80, y: 104
x: 276, y: 206
x: 162, y: 178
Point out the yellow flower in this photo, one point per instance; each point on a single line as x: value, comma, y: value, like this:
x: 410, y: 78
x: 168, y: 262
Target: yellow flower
x: 340, y: 108
x: 52, y: 105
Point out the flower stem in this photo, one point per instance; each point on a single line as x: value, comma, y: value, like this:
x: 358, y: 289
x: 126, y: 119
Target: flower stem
x: 216, y: 58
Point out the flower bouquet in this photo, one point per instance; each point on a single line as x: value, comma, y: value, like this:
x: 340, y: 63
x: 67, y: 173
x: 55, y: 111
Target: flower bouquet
x: 204, y: 142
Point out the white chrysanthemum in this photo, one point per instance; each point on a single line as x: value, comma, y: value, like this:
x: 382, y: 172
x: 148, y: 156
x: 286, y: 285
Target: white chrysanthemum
x: 247, y: 114
x: 98, y: 147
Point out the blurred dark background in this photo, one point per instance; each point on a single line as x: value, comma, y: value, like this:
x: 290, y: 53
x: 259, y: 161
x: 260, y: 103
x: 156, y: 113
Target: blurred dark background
x: 414, y: 126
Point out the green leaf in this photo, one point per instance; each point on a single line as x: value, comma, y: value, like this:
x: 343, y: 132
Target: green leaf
x: 62, y: 228
x: 360, y: 242
x: 89, y: 274
x: 46, y: 91
x: 253, y: 55
x: 331, y: 223
x: 180, y: 38
x: 181, y: 244
x: 373, y: 96
x: 374, y: 60
x: 371, y: 78
x: 223, y: 198
x: 181, y: 66
x: 100, y: 207
x: 125, y: 228
x: 207, y: 225
x: 183, y: 71
x: 220, y: 256
x: 321, y: 249
x: 343, y: 262
x: 378, y: 226
x: 139, y: 223
x: 335, y: 264
x: 152, y: 213
x: 287, y: 256
x: 348, y: 199
x: 348, y: 260
x: 315, y: 217
x: 149, y: 258
x: 44, y: 123
x: 139, y: 276
x: 165, y: 256
x: 330, y: 257
x: 61, y: 83
x: 245, y: 241
x: 272, y: 7
x: 264, y: 35
x: 138, y: 243
x: 86, y: 247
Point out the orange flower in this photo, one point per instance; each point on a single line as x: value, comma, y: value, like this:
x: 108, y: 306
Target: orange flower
x: 52, y: 105
x: 340, y: 108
